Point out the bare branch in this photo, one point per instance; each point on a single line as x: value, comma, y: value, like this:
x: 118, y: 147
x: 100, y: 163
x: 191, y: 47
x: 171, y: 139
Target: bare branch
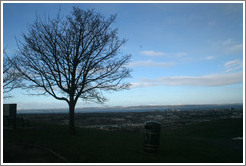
x: 11, y: 77
x: 73, y: 57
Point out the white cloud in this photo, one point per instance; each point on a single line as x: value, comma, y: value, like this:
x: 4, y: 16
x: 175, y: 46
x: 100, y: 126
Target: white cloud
x: 233, y: 65
x: 234, y: 48
x: 227, y: 42
x: 205, y: 80
x: 149, y: 63
x: 229, y: 46
x: 153, y: 53
x: 181, y: 54
x: 209, y: 58
x: 159, y: 54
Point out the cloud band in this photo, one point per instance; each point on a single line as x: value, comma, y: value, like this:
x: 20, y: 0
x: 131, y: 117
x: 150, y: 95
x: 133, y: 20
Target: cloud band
x: 206, y: 80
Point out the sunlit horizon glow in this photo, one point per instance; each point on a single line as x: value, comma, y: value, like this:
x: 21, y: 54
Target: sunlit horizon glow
x: 181, y: 53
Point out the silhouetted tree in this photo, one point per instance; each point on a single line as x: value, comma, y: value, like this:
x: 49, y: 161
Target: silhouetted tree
x: 74, y: 57
x: 11, y: 77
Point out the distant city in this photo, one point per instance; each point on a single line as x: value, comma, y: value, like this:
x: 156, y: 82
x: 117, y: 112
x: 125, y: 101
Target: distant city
x: 141, y: 108
x: 133, y: 119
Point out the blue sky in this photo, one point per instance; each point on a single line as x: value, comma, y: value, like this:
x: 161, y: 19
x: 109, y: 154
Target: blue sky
x: 188, y: 53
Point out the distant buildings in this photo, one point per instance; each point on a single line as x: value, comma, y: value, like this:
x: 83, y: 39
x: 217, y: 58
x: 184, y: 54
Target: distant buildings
x: 134, y: 121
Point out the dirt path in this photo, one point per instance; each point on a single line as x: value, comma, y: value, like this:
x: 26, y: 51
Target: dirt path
x: 27, y: 153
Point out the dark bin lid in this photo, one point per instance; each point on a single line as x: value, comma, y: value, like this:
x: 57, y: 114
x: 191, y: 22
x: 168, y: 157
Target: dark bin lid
x: 154, y: 124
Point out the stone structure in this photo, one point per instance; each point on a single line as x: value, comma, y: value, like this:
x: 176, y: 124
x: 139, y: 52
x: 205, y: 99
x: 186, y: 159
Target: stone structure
x: 9, y: 115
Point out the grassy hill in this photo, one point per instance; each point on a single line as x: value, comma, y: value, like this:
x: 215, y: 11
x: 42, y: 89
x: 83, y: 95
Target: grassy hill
x: 207, y: 142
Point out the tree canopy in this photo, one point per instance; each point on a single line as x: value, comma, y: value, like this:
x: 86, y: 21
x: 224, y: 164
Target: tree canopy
x: 73, y: 57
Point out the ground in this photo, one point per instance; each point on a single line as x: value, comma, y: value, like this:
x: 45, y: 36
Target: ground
x: 206, y: 142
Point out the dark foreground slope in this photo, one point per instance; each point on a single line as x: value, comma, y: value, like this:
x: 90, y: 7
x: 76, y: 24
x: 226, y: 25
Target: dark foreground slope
x: 206, y: 142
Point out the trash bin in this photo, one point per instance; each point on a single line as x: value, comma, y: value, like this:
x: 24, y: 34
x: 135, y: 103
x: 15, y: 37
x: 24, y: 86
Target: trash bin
x: 152, y: 136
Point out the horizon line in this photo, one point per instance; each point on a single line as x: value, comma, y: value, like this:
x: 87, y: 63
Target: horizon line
x: 128, y: 106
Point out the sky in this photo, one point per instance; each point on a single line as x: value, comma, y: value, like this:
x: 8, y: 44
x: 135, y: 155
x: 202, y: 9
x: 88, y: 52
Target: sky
x: 182, y: 53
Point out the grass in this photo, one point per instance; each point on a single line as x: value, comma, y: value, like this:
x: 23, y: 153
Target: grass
x: 207, y: 142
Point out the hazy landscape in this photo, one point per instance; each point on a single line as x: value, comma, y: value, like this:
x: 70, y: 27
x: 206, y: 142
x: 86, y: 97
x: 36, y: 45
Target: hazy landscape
x: 134, y: 118
x: 142, y: 108
x: 199, y: 135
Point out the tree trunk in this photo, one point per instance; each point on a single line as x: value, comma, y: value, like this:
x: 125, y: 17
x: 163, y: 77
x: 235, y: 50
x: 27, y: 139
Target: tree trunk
x: 71, y: 119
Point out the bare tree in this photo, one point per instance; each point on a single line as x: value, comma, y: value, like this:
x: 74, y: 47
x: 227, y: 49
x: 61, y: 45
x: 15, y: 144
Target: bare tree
x: 73, y: 57
x: 11, y: 77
